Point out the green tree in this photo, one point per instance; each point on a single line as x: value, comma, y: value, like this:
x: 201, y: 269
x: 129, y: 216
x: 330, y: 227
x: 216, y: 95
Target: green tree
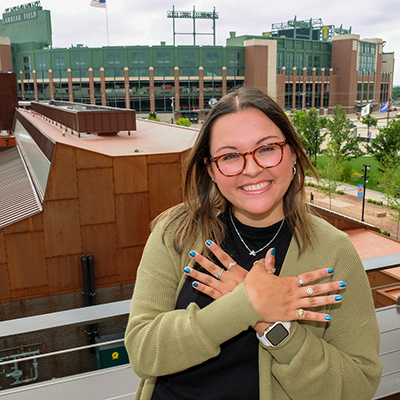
x: 390, y: 181
x: 396, y: 92
x: 342, y: 140
x: 330, y: 173
x: 369, y: 120
x: 308, y: 126
x: 386, y: 142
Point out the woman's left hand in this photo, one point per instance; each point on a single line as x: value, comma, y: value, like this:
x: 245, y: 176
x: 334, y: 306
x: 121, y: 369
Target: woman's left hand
x: 210, y: 285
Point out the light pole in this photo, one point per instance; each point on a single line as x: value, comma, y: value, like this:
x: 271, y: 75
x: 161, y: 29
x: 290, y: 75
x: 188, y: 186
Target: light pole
x: 366, y: 169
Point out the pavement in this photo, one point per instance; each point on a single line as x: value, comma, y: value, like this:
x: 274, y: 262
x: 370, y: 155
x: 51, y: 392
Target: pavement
x: 353, y: 190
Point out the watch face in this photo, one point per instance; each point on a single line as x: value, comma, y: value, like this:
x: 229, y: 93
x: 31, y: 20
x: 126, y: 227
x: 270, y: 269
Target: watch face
x: 277, y: 334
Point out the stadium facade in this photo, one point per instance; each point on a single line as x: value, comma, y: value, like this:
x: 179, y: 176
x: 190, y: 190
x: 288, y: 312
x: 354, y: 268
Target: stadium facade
x: 302, y: 64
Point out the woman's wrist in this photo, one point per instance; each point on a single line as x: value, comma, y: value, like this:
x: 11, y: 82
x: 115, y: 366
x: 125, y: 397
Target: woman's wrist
x: 261, y: 327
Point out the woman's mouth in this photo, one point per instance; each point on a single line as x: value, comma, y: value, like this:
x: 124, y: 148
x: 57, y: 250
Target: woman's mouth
x: 257, y: 187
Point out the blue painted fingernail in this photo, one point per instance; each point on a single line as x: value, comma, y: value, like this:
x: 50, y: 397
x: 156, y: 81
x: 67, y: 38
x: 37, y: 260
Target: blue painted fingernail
x: 338, y: 298
x: 208, y: 242
x: 342, y: 284
x: 330, y: 271
x: 186, y: 270
x: 328, y: 317
x: 273, y: 251
x: 195, y: 284
x: 192, y: 253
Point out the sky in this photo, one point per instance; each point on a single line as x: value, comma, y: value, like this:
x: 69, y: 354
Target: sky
x: 145, y: 22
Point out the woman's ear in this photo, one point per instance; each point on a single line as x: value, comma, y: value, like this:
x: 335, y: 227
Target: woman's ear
x: 209, y: 168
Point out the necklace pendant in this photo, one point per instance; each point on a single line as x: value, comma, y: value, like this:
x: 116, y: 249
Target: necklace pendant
x: 252, y: 253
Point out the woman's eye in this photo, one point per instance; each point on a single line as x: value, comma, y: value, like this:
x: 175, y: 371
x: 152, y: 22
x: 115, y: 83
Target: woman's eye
x: 230, y: 157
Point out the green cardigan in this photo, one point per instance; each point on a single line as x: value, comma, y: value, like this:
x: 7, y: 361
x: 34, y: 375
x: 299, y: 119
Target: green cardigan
x: 334, y: 360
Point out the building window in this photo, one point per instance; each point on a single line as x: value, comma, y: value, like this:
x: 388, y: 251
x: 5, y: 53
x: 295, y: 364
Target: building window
x: 288, y: 95
x: 163, y: 66
x: 365, y: 91
x: 188, y: 63
x: 138, y: 64
x: 359, y: 91
x: 371, y: 91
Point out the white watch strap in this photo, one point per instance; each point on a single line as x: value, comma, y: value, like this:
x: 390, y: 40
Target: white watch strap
x: 264, y: 341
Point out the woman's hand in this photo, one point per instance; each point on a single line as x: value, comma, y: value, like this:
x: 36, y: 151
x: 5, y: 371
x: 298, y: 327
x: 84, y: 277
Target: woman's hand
x: 284, y: 298
x: 232, y: 276
x: 275, y: 298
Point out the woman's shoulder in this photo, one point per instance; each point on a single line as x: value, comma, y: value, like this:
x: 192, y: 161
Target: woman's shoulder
x: 322, y: 229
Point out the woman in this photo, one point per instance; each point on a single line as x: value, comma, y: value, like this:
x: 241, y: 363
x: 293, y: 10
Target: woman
x: 223, y: 306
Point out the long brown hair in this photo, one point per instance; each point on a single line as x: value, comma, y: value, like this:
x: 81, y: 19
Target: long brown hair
x: 202, y: 200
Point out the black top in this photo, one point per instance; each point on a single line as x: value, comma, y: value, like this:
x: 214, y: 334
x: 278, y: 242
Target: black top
x: 233, y: 374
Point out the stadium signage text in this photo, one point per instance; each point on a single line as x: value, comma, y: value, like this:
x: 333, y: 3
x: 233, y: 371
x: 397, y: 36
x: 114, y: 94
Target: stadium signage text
x: 19, y: 17
x: 191, y: 14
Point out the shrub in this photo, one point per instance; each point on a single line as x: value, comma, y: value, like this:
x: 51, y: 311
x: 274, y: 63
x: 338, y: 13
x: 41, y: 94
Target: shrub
x: 339, y: 192
x: 153, y: 117
x: 183, y: 122
x: 369, y: 200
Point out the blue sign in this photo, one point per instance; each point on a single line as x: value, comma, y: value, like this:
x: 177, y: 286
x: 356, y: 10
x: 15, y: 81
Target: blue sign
x: 360, y: 190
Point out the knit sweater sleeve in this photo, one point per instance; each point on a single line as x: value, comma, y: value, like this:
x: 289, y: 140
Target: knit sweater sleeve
x: 161, y: 340
x: 338, y: 360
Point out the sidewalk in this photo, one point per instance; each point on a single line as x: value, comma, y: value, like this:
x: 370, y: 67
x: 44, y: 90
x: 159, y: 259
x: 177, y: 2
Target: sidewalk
x: 353, y: 190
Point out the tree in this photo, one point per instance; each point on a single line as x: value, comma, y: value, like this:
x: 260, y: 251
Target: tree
x: 308, y: 126
x: 396, y: 92
x: 386, y: 142
x: 330, y: 173
x: 369, y: 120
x: 347, y: 145
x: 390, y: 181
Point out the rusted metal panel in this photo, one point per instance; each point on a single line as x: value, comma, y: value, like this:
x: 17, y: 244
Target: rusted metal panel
x: 61, y: 224
x: 100, y: 240
x: 62, y: 183
x: 128, y: 259
x: 64, y: 273
x: 3, y: 258
x: 4, y: 283
x: 96, y: 194
x: 164, y: 187
x: 132, y: 211
x: 130, y: 174
x: 89, y: 159
x: 27, y: 264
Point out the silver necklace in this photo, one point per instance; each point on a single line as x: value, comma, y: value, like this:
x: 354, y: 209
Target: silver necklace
x: 254, y: 252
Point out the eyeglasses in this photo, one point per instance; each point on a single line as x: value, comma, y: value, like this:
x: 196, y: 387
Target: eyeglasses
x: 266, y: 156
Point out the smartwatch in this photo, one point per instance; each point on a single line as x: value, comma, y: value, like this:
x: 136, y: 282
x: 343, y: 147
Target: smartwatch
x: 275, y: 334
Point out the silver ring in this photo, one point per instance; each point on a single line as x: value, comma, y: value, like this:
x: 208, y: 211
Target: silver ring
x: 301, y: 282
x: 310, y: 290
x: 218, y: 276
x: 272, y: 271
x: 232, y: 264
x: 300, y: 311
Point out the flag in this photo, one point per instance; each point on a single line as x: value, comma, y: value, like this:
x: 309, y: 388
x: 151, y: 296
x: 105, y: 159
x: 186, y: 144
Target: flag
x: 385, y: 106
x: 98, y: 3
x: 366, y: 110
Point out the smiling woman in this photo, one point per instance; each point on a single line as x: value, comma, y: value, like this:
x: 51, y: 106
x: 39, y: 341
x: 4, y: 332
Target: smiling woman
x: 237, y: 293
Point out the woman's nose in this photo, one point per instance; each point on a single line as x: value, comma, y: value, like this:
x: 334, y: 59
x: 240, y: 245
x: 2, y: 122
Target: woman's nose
x: 251, y: 168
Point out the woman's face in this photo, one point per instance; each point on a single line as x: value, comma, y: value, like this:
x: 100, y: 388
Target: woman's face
x: 256, y: 194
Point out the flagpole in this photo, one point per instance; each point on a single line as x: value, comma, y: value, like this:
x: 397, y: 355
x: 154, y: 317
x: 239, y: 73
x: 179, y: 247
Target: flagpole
x: 108, y: 40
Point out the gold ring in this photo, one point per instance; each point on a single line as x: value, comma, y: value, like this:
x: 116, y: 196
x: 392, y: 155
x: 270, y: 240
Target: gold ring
x: 300, y: 311
x: 258, y: 261
x: 310, y: 290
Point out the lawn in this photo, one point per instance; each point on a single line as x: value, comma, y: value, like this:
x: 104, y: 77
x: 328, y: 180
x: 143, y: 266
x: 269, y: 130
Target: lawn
x: 358, y: 175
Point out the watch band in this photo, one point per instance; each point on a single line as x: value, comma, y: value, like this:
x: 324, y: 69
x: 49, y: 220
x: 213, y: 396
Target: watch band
x: 263, y: 339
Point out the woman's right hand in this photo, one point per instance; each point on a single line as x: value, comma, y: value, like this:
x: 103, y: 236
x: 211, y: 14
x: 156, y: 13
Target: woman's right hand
x: 280, y: 298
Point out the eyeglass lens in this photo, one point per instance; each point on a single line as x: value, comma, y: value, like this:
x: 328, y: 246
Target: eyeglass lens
x: 267, y: 156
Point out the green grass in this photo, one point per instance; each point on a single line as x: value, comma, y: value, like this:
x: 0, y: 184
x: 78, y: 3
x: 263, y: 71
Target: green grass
x: 357, y: 165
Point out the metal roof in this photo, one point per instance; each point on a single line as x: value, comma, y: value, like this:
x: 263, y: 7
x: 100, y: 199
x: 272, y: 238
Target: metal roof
x: 18, y: 198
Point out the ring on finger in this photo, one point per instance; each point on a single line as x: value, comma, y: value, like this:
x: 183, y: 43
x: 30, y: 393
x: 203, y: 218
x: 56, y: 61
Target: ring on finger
x: 232, y: 264
x: 300, y: 311
x: 218, y: 276
x: 258, y: 261
x: 310, y: 290
x: 301, y: 282
x: 272, y: 271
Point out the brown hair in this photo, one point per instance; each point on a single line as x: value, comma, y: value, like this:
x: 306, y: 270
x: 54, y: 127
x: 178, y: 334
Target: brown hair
x: 202, y: 198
